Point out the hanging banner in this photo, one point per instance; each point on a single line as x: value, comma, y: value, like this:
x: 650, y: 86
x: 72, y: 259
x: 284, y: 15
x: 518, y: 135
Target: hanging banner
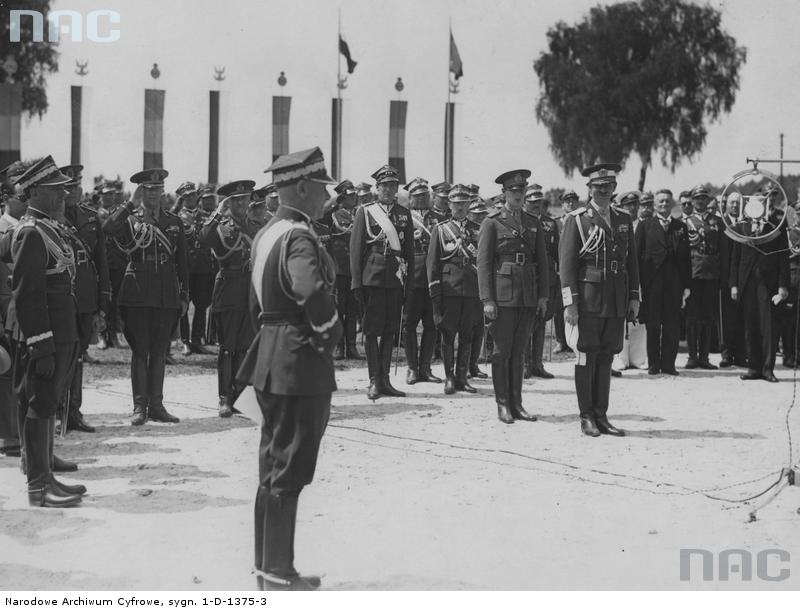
x: 153, y: 128
x: 281, y: 105
x: 397, y: 137
x: 10, y: 111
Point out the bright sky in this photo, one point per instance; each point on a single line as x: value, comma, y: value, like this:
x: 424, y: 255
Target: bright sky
x: 496, y: 129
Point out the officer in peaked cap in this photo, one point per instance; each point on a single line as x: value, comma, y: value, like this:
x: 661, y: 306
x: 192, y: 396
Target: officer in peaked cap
x: 363, y: 194
x: 229, y: 233
x: 154, y: 292
x: 272, y: 198
x: 419, y: 307
x: 477, y: 213
x: 453, y: 282
x: 536, y: 205
x: 600, y: 289
x: 44, y: 325
x: 513, y: 281
x: 290, y: 362
x: 439, y: 199
x: 339, y: 220
x: 382, y: 263
x: 646, y: 202
x: 117, y: 262
x: 92, y: 283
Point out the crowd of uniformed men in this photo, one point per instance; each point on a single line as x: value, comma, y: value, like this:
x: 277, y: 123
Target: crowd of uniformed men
x: 624, y: 275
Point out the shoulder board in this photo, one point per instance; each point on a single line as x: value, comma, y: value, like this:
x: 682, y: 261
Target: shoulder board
x: 87, y: 209
x: 620, y: 210
x: 28, y: 221
x: 578, y: 211
x: 494, y: 213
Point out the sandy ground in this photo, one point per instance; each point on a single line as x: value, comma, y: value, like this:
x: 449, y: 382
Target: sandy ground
x: 429, y: 492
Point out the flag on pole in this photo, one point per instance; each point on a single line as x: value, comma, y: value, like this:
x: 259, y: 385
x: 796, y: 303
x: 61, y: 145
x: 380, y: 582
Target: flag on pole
x: 10, y: 111
x: 213, y: 137
x: 153, y: 128
x: 449, y: 129
x: 281, y: 105
x: 76, y: 101
x: 344, y: 49
x: 397, y: 136
x: 336, y: 137
x: 456, y: 66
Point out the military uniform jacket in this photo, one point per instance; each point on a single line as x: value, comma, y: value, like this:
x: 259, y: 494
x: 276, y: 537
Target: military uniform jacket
x: 116, y: 258
x: 424, y: 222
x: 512, y: 260
x: 201, y: 259
x: 157, y: 274
x: 42, y: 285
x: 451, y: 262
x: 373, y: 262
x: 92, y: 289
x: 705, y: 235
x: 6, y: 235
x: 656, y: 246
x: 598, y: 264
x: 231, y: 243
x: 551, y: 233
x: 771, y: 266
x: 340, y: 222
x: 291, y: 354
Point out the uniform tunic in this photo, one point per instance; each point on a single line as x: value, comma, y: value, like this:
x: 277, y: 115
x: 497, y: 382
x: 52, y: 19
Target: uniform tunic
x: 705, y: 236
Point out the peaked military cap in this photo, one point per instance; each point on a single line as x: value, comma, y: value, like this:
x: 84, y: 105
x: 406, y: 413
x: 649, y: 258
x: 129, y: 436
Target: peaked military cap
x: 345, y: 188
x: 150, y: 178
x: 478, y: 206
x: 260, y: 194
x: 534, y: 193
x: 513, y: 178
x: 236, y: 188
x: 207, y: 191
x: 386, y: 174
x: 629, y: 197
x: 647, y: 198
x: 185, y: 188
x: 417, y: 186
x: 460, y: 194
x: 257, y: 203
x: 73, y: 172
x: 108, y: 186
x: 308, y: 164
x: 474, y: 189
x: 569, y: 194
x: 363, y: 189
x: 601, y: 173
x: 11, y: 171
x: 699, y: 191
x: 43, y: 173
x: 442, y: 188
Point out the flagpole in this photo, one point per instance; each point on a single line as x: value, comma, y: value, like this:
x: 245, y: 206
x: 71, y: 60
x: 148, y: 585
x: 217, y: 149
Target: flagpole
x: 450, y: 31
x: 339, y: 56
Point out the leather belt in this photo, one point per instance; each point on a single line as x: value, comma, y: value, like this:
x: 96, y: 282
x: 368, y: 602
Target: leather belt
x: 519, y: 258
x: 614, y: 266
x: 280, y: 318
x: 383, y: 249
x: 162, y: 259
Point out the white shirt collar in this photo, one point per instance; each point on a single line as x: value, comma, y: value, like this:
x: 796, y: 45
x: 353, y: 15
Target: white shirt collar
x: 10, y: 219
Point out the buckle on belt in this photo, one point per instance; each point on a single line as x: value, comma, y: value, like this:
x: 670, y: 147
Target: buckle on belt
x: 81, y: 257
x: 520, y: 258
x: 614, y: 266
x: 163, y: 258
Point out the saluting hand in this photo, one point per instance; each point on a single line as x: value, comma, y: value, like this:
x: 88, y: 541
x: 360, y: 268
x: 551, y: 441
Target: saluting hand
x: 571, y: 315
x: 490, y: 310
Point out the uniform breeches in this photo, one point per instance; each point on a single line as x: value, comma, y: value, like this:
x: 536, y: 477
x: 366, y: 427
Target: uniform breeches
x: 148, y: 332
x: 420, y: 309
x: 600, y: 334
x: 510, y: 332
x: 38, y: 397
x: 382, y: 311
x: 703, y: 303
x: 347, y: 306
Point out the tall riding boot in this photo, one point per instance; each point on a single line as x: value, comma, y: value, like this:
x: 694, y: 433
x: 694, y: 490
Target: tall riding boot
x: 500, y: 383
x: 601, y: 389
x: 75, y: 420
x: 692, y: 342
x: 475, y: 353
x: 139, y: 388
x: 373, y: 366
x: 59, y: 465
x: 279, y: 573
x: 224, y: 381
x: 528, y: 358
x: 237, y: 358
x: 427, y: 344
x: 339, y: 353
x: 583, y: 390
x: 386, y: 347
x: 412, y: 359
x: 462, y: 367
x: 350, y: 337
x: 447, y: 359
x: 705, y: 346
x: 260, y: 514
x: 515, y: 369
x: 42, y: 492
x: 537, y: 343
x: 155, y: 373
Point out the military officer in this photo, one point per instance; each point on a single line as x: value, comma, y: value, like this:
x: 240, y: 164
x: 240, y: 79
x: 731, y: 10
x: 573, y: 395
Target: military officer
x: 154, y: 291
x: 536, y: 205
x: 257, y: 210
x: 229, y: 233
x: 382, y: 264
x: 513, y: 284
x: 290, y: 362
x: 569, y: 201
x: 92, y: 284
x: 687, y: 209
x: 418, y: 304
x: 705, y: 237
x: 453, y: 284
x: 476, y: 214
x: 599, y: 288
x: 440, y: 203
x: 665, y: 269
x: 44, y: 324
x: 110, y: 195
x: 340, y: 223
x: 363, y: 194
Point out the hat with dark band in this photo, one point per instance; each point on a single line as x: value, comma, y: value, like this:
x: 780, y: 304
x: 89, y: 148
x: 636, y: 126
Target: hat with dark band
x: 629, y: 198
x: 459, y: 194
x: 363, y: 188
x: 647, y: 199
x: 478, y: 206
x: 418, y: 186
x: 302, y: 165
x: 513, y: 178
x: 237, y: 188
x: 43, y: 173
x: 186, y: 188
x: 569, y: 194
x: 345, y: 188
x: 534, y: 193
x: 74, y: 172
x: 700, y: 191
x: 386, y: 174
x: 442, y: 188
x: 150, y: 179
x: 601, y: 173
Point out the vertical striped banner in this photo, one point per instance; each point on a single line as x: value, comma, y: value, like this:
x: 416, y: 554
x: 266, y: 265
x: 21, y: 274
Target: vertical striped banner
x: 336, y: 137
x: 281, y: 105
x: 397, y: 136
x: 153, y: 128
x: 76, y: 106
x: 10, y: 111
x: 449, y: 125
x: 213, y: 137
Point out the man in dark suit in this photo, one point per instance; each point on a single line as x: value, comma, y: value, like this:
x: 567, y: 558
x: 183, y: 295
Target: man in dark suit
x: 733, y: 350
x: 290, y: 362
x: 760, y: 280
x: 665, y: 273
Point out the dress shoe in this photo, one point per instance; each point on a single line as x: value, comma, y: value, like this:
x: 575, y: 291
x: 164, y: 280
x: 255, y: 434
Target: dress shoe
x: 478, y: 374
x: 389, y: 390
x: 224, y: 409
x: 541, y: 372
x: 606, y: 428
x: 706, y: 365
x: 353, y: 353
x: 75, y: 422
x: 67, y: 489
x: 670, y: 372
x: 527, y: 373
x: 374, y: 390
x: 12, y: 452
x: 411, y: 377
x: 692, y: 363
x: 47, y: 496
x: 653, y: 371
x: 789, y: 363
x: 89, y: 360
x: 725, y: 363
x: 750, y: 375
x: 170, y: 360
x: 770, y: 377
x: 616, y: 373
x: 159, y: 414
x: 504, y: 415
x: 63, y: 466
x: 465, y: 386
x: 519, y: 413
x: 294, y: 583
x: 449, y: 386
x: 198, y: 348
x: 588, y: 427
x: 186, y: 349
x: 338, y: 354
x: 426, y: 375
x: 139, y: 417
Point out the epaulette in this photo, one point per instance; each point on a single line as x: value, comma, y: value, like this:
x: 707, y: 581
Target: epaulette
x: 28, y: 221
x: 578, y: 211
x: 494, y: 212
x: 87, y: 209
x: 621, y: 210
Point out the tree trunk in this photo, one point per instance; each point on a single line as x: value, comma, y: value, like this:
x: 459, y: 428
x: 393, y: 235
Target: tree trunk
x: 643, y: 174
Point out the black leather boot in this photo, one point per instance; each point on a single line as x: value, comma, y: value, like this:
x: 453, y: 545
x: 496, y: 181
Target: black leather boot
x: 500, y: 382
x: 447, y: 360
x: 462, y: 365
x: 515, y: 370
x: 139, y: 388
x: 75, y: 420
x: 475, y: 354
x: 59, y: 465
x: 692, y: 343
x: 41, y: 490
x: 373, y: 366
x: 352, y: 351
x: 339, y: 353
x: 583, y: 391
x: 426, y: 348
x: 386, y: 347
x: 601, y: 390
x: 155, y: 373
